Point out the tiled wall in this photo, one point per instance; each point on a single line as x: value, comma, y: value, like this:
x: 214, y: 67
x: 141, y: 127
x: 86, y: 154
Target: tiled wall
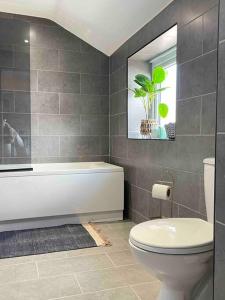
x: 146, y: 162
x: 219, y: 287
x: 14, y: 85
x: 69, y: 95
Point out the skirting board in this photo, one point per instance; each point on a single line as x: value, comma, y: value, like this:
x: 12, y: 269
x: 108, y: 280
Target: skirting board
x: 61, y: 220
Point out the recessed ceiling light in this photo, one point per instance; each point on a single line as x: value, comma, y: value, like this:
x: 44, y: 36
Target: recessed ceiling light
x: 26, y: 41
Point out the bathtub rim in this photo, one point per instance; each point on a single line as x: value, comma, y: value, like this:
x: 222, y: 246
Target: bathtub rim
x: 38, y: 170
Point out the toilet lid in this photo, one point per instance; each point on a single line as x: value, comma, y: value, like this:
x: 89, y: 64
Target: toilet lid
x: 173, y: 236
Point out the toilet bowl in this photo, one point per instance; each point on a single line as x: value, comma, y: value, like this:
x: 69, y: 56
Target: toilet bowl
x: 178, y: 251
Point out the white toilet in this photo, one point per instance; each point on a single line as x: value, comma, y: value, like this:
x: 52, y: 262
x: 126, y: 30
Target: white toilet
x: 178, y: 251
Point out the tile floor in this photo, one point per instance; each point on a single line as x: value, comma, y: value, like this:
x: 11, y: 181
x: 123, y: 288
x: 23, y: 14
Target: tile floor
x: 103, y: 273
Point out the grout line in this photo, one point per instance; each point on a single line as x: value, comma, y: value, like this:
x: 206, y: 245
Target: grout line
x: 77, y: 281
x: 221, y: 223
x: 200, y: 119
x: 131, y: 287
x: 36, y: 264
x: 107, y: 255
x: 197, y: 57
x: 198, y: 96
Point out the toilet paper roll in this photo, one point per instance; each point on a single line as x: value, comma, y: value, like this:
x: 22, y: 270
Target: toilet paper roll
x: 161, y: 191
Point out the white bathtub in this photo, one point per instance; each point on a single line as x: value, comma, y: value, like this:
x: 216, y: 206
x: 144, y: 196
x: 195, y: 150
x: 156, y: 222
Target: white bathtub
x: 55, y: 194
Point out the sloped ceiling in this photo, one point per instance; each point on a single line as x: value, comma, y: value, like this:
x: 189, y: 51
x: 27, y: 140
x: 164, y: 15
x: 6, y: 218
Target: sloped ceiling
x: 105, y: 24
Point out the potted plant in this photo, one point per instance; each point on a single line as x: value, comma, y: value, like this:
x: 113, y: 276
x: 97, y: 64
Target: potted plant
x: 149, y: 88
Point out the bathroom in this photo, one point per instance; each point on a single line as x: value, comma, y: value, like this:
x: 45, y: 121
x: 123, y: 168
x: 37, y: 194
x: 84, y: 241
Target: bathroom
x: 95, y: 203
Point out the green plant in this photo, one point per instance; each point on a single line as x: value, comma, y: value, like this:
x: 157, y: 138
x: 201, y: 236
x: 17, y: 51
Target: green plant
x: 149, y: 89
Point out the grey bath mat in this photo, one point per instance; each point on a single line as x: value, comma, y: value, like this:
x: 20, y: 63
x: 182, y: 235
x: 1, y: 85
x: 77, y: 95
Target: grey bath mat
x: 44, y: 240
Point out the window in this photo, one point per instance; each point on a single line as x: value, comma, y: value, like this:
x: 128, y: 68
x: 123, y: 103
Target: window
x: 168, y: 61
x: 152, y: 76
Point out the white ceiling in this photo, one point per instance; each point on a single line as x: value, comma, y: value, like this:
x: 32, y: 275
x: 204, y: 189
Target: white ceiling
x: 105, y: 24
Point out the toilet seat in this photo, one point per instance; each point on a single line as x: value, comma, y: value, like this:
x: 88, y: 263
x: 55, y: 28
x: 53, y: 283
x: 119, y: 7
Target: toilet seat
x: 173, y: 236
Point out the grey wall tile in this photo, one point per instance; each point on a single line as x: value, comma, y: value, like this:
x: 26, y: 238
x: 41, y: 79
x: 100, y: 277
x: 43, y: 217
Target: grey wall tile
x: 70, y: 104
x: 94, y: 104
x: 221, y: 89
x: 140, y: 201
x: 20, y: 122
x: 47, y: 103
x: 190, y: 40
x: 104, y: 145
x: 119, y: 146
x: 118, y: 102
x: 198, y: 76
x: 119, y: 58
x: 94, y: 125
x: 222, y: 21
x: 94, y: 84
x: 79, y: 146
x: 96, y: 63
x: 219, y: 270
x: 220, y: 178
x: 22, y: 57
x: 210, y: 25
x: 22, y: 102
x: 194, y: 149
x: 118, y: 124
x: 44, y: 59
x: 70, y: 125
x: 208, y: 118
x: 7, y: 101
x: 49, y: 125
x: 13, y: 32
x: 118, y: 80
x: 53, y: 37
x: 45, y: 146
x: 189, y: 186
x: 84, y: 104
x: 185, y: 212
x: 219, y: 288
x: 49, y: 81
x: 59, y: 125
x: 6, y: 57
x: 14, y: 80
x: 188, y: 116
x: 147, y: 175
x: 190, y: 10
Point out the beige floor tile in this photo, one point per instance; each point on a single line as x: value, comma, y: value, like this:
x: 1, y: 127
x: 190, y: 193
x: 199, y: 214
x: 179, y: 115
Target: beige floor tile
x: 42, y: 289
x: 122, y: 258
x: 101, y: 280
x: 112, y: 278
x: 15, y: 273
x: 117, y: 245
x: 147, y: 291
x: 124, y: 293
x: 135, y: 274
x: 15, y: 260
x: 73, y: 264
x: 89, y: 296
x: 50, y: 256
x: 112, y: 233
x: 121, y: 225
x: 86, y: 251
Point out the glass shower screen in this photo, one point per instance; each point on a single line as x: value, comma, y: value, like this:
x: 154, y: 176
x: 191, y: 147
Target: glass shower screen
x: 15, y: 122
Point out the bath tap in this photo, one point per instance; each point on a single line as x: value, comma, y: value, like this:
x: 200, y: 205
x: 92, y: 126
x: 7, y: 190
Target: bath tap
x: 15, y: 139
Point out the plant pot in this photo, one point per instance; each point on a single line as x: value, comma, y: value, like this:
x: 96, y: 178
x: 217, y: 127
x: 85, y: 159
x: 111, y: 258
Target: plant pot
x: 146, y: 127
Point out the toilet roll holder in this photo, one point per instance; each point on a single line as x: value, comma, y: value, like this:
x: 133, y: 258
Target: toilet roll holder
x: 171, y: 183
